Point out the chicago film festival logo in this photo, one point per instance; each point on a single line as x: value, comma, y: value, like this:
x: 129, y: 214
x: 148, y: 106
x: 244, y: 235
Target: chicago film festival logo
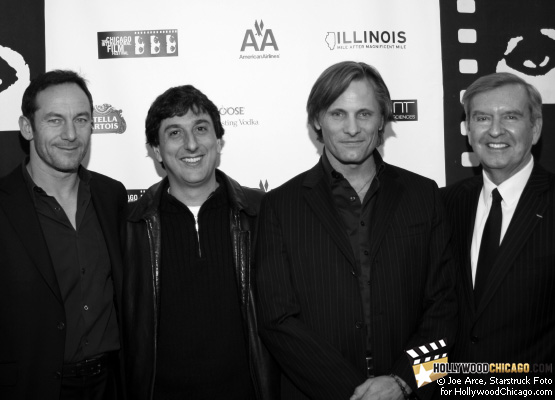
x: 137, y: 44
x: 260, y: 43
x: 107, y: 119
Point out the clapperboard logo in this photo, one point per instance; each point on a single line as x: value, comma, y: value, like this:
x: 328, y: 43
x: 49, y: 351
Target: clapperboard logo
x: 423, y: 359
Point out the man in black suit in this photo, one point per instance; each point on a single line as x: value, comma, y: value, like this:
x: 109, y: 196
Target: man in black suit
x: 60, y: 267
x: 504, y: 229
x: 353, y: 261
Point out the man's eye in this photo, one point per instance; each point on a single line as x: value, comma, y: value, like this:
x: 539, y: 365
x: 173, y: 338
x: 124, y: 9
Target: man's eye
x: 55, y: 121
x: 82, y: 121
x: 337, y: 114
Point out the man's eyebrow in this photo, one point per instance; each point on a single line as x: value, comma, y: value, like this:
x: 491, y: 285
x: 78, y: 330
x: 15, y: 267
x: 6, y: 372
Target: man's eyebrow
x: 357, y: 111
x: 53, y: 114
x: 85, y: 113
x: 172, y: 126
x: 58, y: 115
x: 202, y: 121
x: 515, y: 112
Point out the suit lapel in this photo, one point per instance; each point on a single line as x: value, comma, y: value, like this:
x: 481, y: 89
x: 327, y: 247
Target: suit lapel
x: 319, y: 198
x: 466, y: 216
x: 21, y: 213
x: 388, y: 197
x: 105, y: 205
x: 531, y: 205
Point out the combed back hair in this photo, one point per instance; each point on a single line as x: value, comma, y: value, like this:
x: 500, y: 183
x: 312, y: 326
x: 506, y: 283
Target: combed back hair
x: 335, y: 80
x: 176, y: 102
x: 46, y: 80
x: 496, y: 80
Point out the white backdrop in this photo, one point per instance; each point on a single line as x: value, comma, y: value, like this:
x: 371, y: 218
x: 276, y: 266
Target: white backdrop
x: 273, y: 143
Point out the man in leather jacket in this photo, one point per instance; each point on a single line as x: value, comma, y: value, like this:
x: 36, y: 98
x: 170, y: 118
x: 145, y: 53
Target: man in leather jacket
x: 189, y: 321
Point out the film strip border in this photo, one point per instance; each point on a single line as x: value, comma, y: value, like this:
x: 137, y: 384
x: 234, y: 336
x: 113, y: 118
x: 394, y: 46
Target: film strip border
x: 461, y: 23
x: 468, y: 66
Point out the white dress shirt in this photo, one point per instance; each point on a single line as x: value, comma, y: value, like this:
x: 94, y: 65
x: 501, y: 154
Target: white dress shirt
x: 510, y: 190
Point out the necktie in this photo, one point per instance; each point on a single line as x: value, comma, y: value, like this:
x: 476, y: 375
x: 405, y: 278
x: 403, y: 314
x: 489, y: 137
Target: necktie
x: 489, y: 246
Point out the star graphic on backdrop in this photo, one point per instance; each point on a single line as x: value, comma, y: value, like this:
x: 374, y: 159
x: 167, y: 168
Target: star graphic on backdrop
x: 423, y: 376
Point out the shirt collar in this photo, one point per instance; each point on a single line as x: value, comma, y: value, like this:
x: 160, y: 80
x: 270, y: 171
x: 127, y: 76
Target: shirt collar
x: 511, y: 189
x: 332, y: 174
x: 84, y: 177
x: 215, y: 199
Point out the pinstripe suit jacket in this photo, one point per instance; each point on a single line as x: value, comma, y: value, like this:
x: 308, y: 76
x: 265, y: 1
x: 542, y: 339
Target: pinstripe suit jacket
x: 309, y: 294
x: 515, y: 320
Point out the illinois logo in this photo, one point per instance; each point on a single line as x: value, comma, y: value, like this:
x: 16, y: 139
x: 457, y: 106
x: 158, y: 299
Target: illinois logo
x: 423, y: 359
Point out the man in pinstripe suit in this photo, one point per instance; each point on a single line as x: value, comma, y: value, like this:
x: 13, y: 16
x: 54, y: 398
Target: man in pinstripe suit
x: 353, y: 261
x: 507, y: 307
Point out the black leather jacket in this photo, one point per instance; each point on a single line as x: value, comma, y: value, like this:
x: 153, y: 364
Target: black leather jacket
x: 141, y: 289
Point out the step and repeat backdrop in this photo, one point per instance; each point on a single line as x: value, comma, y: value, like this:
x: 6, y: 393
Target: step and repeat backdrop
x: 257, y: 60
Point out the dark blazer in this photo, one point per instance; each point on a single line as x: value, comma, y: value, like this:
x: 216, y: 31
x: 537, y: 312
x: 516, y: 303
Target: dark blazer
x: 32, y: 317
x: 515, y: 320
x: 310, y: 302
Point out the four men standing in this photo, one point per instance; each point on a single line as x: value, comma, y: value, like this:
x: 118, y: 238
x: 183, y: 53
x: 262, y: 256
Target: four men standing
x: 354, y: 265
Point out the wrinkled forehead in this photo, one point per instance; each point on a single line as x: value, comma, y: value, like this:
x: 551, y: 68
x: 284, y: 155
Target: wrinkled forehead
x: 65, y: 96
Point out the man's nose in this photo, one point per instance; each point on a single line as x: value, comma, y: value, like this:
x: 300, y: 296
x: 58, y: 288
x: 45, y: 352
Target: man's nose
x: 496, y: 127
x: 69, y: 132
x: 351, y: 126
x: 190, y: 141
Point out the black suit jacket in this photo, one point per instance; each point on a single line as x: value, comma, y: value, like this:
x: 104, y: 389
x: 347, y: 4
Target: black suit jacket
x: 515, y: 320
x: 310, y: 302
x: 32, y: 338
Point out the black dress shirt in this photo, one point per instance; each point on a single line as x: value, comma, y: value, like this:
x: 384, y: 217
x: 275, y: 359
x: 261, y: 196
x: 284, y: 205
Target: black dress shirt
x: 82, y: 266
x: 357, y: 218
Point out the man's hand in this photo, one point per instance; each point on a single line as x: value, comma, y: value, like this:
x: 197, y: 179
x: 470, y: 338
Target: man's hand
x: 380, y: 388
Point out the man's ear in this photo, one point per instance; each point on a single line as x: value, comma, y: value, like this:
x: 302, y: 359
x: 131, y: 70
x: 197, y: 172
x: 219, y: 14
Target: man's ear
x: 26, y: 128
x: 219, y: 145
x: 467, y: 129
x: 317, y: 124
x: 156, y: 150
x: 537, y: 130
